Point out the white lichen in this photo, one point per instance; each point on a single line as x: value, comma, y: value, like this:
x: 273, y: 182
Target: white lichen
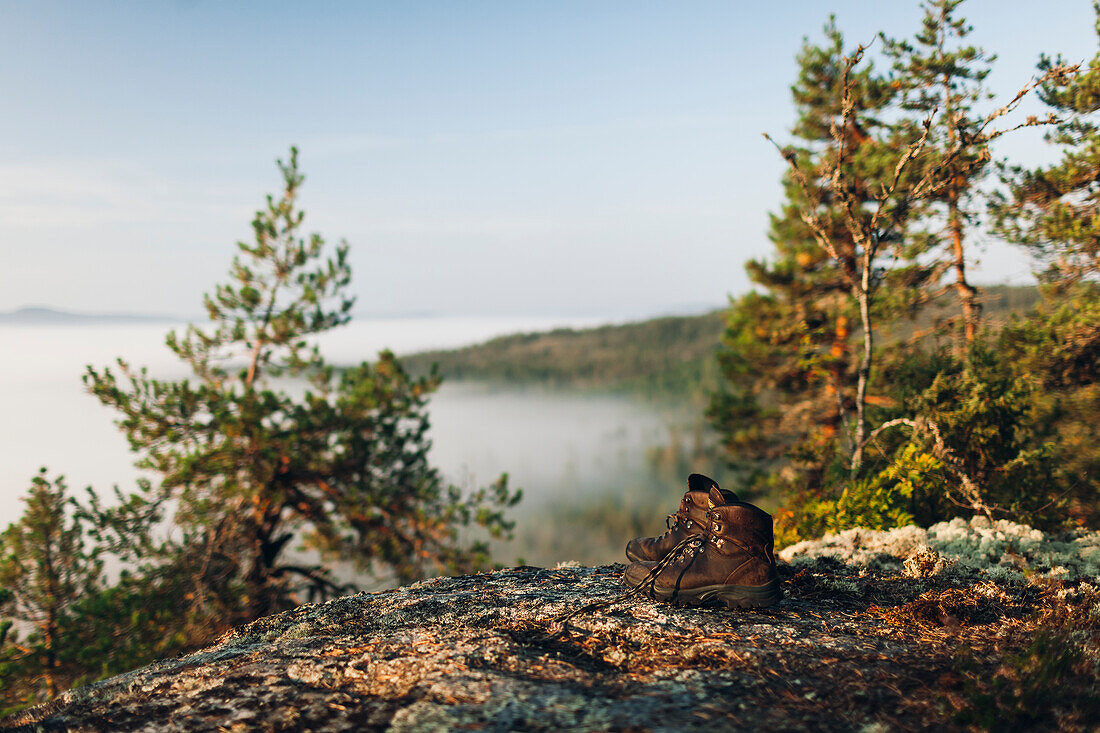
x: 1005, y: 550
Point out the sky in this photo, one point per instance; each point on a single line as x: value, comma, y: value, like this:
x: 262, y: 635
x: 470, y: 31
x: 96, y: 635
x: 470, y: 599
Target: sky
x: 490, y: 158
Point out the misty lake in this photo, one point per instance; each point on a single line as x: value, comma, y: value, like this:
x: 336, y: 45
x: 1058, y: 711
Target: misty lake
x: 557, y: 446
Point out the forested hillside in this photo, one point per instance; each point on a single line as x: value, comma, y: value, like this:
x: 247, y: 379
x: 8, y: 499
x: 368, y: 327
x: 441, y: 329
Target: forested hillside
x: 662, y: 358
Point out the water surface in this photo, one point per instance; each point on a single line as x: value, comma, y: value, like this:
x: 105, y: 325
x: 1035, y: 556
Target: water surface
x: 557, y: 446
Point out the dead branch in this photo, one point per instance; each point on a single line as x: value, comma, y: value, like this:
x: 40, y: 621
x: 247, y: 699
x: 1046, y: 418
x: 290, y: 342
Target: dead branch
x: 892, y: 423
x: 809, y: 214
x: 911, y: 152
x: 1058, y: 73
x: 972, y: 496
x: 933, y: 181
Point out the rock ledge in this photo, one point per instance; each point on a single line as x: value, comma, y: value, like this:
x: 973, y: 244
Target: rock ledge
x: 854, y: 645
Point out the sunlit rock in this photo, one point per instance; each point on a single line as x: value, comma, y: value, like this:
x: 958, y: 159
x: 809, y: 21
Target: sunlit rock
x: 877, y: 631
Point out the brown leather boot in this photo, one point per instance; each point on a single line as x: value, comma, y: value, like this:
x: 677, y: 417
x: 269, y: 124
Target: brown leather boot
x: 691, y: 519
x: 732, y: 562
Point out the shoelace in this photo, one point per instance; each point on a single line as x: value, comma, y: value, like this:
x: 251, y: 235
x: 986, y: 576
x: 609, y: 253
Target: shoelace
x: 646, y: 586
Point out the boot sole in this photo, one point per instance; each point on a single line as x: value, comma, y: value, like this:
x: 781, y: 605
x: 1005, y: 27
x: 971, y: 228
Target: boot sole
x: 733, y: 596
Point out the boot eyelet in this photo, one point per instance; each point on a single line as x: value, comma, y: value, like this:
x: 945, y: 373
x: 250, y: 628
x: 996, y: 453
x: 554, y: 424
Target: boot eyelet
x: 688, y: 523
x: 718, y: 542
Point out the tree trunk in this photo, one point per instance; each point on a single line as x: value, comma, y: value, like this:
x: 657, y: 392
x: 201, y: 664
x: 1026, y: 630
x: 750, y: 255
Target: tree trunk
x: 49, y: 632
x: 50, y: 640
x: 967, y: 293
x: 262, y: 596
x: 863, y: 294
x: 838, y: 351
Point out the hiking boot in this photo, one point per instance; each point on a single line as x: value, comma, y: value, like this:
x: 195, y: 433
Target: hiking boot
x: 691, y: 519
x: 732, y: 562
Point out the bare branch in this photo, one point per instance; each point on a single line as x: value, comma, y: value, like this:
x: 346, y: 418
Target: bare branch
x: 972, y: 495
x: 860, y: 236
x: 1033, y: 121
x: 1057, y: 73
x: 890, y: 424
x: 911, y: 152
x: 809, y: 214
x: 847, y: 110
x: 932, y: 181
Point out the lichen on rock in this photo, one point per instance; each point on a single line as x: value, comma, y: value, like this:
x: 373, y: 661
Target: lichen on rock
x: 997, y: 546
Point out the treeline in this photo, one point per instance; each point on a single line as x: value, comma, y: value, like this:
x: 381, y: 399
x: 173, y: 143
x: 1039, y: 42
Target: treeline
x: 253, y: 495
x: 672, y: 358
x: 840, y: 389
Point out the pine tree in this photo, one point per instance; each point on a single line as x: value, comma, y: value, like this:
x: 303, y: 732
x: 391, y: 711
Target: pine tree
x: 46, y: 567
x: 936, y: 75
x: 789, y: 359
x: 857, y: 188
x: 251, y: 468
x: 1055, y: 211
x: 62, y: 624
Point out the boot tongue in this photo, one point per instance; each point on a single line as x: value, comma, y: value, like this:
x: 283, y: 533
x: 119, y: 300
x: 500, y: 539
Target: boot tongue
x: 717, y: 497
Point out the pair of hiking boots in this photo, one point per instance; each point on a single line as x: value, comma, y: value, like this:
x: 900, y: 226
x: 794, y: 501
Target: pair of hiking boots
x: 717, y: 549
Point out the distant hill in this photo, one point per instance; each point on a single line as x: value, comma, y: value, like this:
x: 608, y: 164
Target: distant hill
x: 40, y: 315
x: 671, y: 357
x: 659, y: 356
